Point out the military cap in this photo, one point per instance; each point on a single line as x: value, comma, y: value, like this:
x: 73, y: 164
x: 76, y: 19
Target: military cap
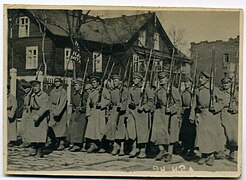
x: 26, y: 85
x: 187, y: 79
x: 95, y: 77
x: 163, y: 74
x: 57, y: 79
x: 204, y: 73
x: 116, y: 76
x: 137, y: 75
x: 225, y: 80
x: 35, y: 82
x: 78, y: 81
x: 88, y: 86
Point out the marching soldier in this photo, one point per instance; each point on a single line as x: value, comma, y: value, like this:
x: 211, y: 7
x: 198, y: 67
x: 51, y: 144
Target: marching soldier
x: 95, y: 111
x: 165, y: 129
x: 27, y: 87
x: 229, y: 117
x: 12, y: 124
x: 116, y: 125
x: 58, y: 115
x: 78, y: 121
x: 37, y: 125
x: 209, y: 132
x: 138, y: 118
x: 188, y: 129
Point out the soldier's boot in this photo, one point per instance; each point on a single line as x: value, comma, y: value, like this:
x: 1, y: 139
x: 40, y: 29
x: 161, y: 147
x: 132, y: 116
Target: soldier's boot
x: 75, y: 148
x: 160, y: 155
x: 210, y: 161
x: 33, y: 152
x: 115, y: 149
x: 40, y: 153
x: 203, y: 160
x: 142, y: 153
x: 134, y: 153
x: 168, y: 158
x: 233, y: 156
x: 122, y: 153
x: 61, y: 146
x: 219, y: 155
x: 93, y: 148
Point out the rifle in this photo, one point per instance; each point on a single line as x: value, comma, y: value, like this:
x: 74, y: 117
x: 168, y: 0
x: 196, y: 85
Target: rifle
x: 84, y: 84
x: 211, y: 82
x: 123, y: 81
x: 102, y: 80
x: 142, y: 92
x: 170, y: 81
x: 233, y: 88
x: 194, y: 81
x: 180, y: 77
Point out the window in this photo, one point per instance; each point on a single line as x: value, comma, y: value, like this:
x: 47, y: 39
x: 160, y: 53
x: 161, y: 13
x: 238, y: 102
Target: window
x: 24, y: 26
x: 97, y: 62
x: 68, y: 64
x: 157, y: 41
x: 158, y: 65
x: 32, y: 57
x: 142, y: 39
x: 226, y: 60
x: 138, y: 64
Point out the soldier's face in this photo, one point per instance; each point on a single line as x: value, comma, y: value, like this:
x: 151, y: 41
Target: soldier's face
x: 136, y: 80
x: 77, y: 87
x: 116, y: 82
x: 27, y: 90
x: 94, y: 84
x: 57, y: 83
x: 203, y: 80
x: 163, y: 81
x: 37, y: 88
x: 226, y: 86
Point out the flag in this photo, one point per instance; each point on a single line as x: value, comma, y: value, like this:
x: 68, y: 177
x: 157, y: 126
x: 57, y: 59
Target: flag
x: 75, y: 56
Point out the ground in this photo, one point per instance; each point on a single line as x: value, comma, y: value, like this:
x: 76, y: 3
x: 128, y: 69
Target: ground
x: 18, y: 160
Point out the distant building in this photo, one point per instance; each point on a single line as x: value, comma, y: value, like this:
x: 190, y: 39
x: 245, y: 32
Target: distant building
x: 226, y: 54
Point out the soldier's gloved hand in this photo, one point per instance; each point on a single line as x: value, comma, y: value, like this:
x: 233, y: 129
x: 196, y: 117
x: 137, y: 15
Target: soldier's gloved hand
x: 132, y: 106
x: 168, y: 111
x: 91, y: 104
x: 82, y: 110
x: 158, y: 105
x: 212, y: 110
x: 28, y: 109
x: 11, y: 119
x: 232, y: 111
x: 198, y: 109
x: 98, y: 106
x: 192, y: 121
x: 118, y: 107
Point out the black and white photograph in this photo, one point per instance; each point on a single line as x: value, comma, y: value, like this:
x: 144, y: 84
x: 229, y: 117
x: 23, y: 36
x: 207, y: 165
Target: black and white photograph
x: 122, y: 91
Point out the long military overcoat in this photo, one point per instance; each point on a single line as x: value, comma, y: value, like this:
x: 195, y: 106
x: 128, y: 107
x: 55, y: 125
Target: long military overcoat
x: 12, y: 123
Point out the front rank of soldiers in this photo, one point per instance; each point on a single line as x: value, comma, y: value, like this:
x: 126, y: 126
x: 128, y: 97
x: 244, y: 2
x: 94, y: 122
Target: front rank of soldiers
x: 123, y: 120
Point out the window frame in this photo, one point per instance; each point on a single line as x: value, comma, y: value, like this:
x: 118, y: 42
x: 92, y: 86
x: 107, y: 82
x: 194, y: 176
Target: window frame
x: 66, y: 59
x: 97, y: 67
x: 22, y: 31
x: 142, y: 38
x: 156, y: 41
x: 31, y: 57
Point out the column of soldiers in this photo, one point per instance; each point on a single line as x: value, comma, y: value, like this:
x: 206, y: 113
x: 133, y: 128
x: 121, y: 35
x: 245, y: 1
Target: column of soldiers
x: 123, y: 120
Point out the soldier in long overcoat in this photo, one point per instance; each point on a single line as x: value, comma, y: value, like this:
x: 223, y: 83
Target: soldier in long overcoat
x: 165, y: 129
x: 78, y: 121
x: 12, y: 123
x: 138, y: 119
x: 95, y: 111
x: 188, y: 129
x: 116, y: 123
x: 209, y: 131
x: 37, y: 123
x: 229, y: 116
x: 58, y: 114
x: 27, y: 87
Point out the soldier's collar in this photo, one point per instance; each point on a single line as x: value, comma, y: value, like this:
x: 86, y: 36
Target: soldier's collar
x: 139, y: 85
x: 37, y: 94
x: 58, y: 89
x: 204, y: 86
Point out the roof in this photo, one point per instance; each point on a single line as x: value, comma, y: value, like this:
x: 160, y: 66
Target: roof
x: 109, y: 31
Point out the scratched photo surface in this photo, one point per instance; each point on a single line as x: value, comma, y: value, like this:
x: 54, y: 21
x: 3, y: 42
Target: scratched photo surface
x: 122, y: 92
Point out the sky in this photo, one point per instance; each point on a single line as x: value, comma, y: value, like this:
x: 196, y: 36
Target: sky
x: 196, y: 25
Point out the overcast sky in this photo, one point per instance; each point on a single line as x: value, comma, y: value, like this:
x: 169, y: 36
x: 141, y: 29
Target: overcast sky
x: 197, y: 25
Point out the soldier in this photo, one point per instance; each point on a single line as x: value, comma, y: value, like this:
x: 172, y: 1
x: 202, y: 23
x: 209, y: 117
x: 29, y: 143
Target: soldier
x: 115, y: 125
x: 188, y: 129
x: 37, y: 125
x: 165, y: 129
x: 78, y: 121
x: 138, y: 118
x: 229, y: 117
x: 12, y: 124
x: 95, y: 111
x: 209, y: 132
x: 27, y: 87
x: 58, y: 115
